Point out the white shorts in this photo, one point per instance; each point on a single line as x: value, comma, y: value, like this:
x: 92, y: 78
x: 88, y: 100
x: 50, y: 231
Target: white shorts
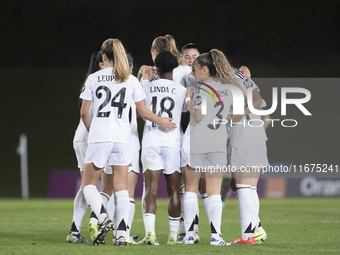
x: 254, y: 155
x: 206, y: 160
x: 134, y: 166
x: 80, y: 150
x: 185, y: 158
x: 161, y: 158
x: 115, y: 154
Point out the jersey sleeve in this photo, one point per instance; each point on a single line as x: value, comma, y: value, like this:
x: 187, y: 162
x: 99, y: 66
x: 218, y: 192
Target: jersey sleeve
x: 246, y: 82
x: 86, y: 93
x: 138, y: 94
x: 197, y: 101
x: 249, y: 84
x: 185, y: 107
x: 144, y: 82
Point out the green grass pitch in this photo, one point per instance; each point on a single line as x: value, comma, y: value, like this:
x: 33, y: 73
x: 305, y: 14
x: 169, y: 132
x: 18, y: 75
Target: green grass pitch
x: 293, y: 226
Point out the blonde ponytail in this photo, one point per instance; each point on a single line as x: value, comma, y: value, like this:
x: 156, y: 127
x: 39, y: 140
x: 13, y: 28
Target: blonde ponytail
x: 167, y: 43
x: 120, y: 62
x: 223, y: 68
x: 115, y: 52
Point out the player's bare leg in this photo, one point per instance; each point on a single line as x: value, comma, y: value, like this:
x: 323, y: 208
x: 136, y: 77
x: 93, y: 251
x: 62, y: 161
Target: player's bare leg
x: 151, y: 190
x: 174, y: 207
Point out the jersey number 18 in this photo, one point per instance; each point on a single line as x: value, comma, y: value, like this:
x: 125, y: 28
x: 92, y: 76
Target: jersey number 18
x: 162, y: 106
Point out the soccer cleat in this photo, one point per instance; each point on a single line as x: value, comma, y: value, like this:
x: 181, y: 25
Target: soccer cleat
x: 250, y: 241
x: 104, y: 227
x: 92, y: 228
x: 260, y: 236
x: 75, y: 238
x: 196, y: 237
x: 219, y: 241
x: 171, y: 240
x: 151, y: 239
x: 180, y: 237
x: 189, y: 240
x: 121, y: 242
x: 131, y: 240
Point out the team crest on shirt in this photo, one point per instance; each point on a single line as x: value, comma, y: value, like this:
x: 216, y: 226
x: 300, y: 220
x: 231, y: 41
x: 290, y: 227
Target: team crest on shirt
x: 248, y: 83
x: 198, y: 101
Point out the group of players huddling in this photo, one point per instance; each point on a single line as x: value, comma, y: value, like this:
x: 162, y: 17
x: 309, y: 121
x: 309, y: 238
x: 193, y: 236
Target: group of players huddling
x: 166, y: 96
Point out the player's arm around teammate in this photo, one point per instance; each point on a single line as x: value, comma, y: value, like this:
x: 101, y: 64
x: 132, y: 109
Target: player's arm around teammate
x: 161, y: 149
x: 207, y: 143
x: 106, y: 145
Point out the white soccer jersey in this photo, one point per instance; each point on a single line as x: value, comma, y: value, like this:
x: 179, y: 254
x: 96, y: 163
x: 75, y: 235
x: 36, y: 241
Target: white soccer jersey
x: 111, y: 105
x: 205, y: 137
x: 135, y: 144
x: 242, y: 135
x: 164, y: 98
x: 181, y: 75
x: 81, y: 133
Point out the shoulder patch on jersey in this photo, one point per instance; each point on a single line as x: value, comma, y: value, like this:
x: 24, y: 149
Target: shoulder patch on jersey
x: 198, y: 100
x: 239, y: 74
x: 248, y: 83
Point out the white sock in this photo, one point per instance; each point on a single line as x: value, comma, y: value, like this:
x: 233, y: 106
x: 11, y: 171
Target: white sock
x: 149, y: 223
x: 256, y: 209
x: 190, y: 206
x: 246, y: 210
x: 181, y: 228
x: 131, y: 214
x: 205, y: 202
x: 143, y: 196
x: 122, y: 207
x: 115, y: 219
x: 105, y: 198
x: 214, y: 204
x: 111, y: 206
x: 93, y: 218
x: 94, y: 199
x: 196, y: 218
x: 79, y: 210
x: 173, y: 225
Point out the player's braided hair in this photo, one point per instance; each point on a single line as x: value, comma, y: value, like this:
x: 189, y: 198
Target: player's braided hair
x: 115, y: 52
x: 166, y: 43
x: 165, y: 62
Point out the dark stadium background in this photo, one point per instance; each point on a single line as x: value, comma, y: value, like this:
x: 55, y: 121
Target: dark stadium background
x: 46, y: 47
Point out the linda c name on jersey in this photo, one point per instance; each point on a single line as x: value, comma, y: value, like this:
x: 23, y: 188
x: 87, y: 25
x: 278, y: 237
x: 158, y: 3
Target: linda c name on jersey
x: 162, y: 89
x: 102, y: 78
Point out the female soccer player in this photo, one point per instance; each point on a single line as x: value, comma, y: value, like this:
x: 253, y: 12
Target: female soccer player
x: 189, y: 53
x: 80, y: 145
x: 248, y: 152
x: 207, y: 142
x: 111, y: 92
x: 180, y: 73
x: 161, y: 149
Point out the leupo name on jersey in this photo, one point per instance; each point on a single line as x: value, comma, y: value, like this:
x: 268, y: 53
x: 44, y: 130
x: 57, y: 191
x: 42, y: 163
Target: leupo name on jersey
x: 103, y: 78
